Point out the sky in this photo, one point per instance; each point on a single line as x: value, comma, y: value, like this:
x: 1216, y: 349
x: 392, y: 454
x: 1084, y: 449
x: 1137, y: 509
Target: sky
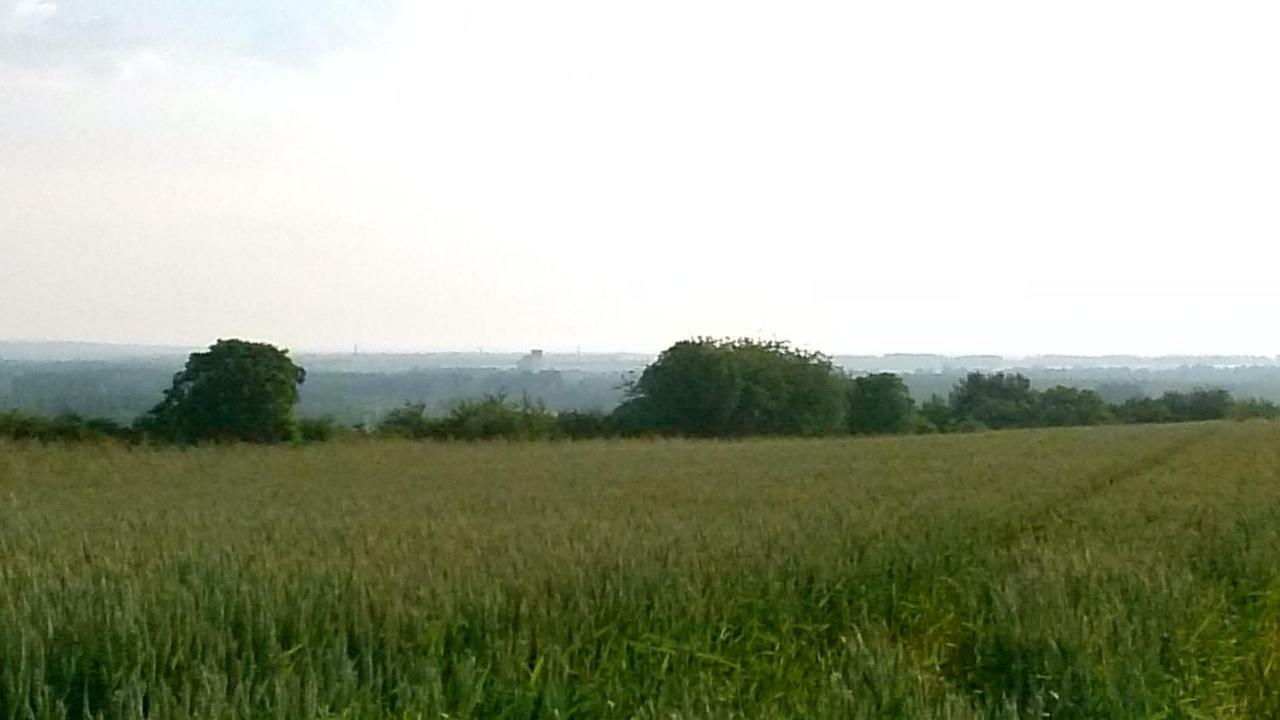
x: 857, y: 177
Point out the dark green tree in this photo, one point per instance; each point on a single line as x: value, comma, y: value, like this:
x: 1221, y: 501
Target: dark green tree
x: 1062, y: 406
x: 936, y: 413
x: 235, y: 391
x: 1141, y: 410
x: 879, y: 404
x: 692, y: 388
x: 1198, y: 405
x: 409, y: 421
x: 735, y: 388
x: 998, y: 400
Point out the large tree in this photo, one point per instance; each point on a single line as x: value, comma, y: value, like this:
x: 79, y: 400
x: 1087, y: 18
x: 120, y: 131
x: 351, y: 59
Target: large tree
x: 998, y: 400
x: 235, y: 391
x: 879, y: 404
x: 1062, y: 406
x: 735, y: 388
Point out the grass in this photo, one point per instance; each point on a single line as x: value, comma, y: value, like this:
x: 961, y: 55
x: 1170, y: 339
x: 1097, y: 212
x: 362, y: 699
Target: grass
x: 1126, y: 572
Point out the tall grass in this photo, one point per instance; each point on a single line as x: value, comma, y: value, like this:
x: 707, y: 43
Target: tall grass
x: 1113, y: 572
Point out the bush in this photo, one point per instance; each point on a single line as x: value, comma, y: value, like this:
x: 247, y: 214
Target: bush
x: 1143, y: 410
x: 321, y: 429
x: 494, y: 418
x: 968, y: 425
x: 1254, y: 408
x: 936, y: 413
x: 1198, y: 405
x: 574, y: 425
x: 409, y: 422
x: 67, y: 427
x: 491, y: 418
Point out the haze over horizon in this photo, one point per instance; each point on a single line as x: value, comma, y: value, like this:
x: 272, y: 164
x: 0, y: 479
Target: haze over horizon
x: 992, y: 177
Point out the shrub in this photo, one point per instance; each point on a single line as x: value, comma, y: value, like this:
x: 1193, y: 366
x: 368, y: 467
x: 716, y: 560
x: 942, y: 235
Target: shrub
x: 67, y: 427
x: 410, y: 422
x: 494, y: 418
x: 317, y: 429
x: 1254, y: 408
x: 575, y: 425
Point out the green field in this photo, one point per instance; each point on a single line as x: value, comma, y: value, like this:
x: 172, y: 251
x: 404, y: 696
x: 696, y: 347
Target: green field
x: 1124, y: 572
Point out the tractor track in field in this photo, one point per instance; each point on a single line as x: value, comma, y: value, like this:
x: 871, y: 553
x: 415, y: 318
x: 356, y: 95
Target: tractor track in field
x: 1037, y: 517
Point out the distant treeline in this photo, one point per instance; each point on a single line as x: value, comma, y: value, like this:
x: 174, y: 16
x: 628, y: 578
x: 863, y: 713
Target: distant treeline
x: 121, y: 391
x: 704, y: 387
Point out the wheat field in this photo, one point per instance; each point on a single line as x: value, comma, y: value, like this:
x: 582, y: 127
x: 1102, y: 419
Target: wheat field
x: 1124, y: 572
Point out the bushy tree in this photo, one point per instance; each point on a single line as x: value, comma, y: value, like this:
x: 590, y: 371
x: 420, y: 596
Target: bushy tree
x: 936, y: 414
x: 736, y: 388
x: 1254, y: 408
x: 1063, y: 406
x: 235, y: 391
x: 1141, y: 410
x: 1195, y: 406
x: 693, y: 388
x: 67, y: 427
x: 879, y: 404
x: 493, y: 418
x: 998, y: 400
x: 579, y: 425
x: 409, y: 421
x: 1198, y: 405
x: 317, y: 429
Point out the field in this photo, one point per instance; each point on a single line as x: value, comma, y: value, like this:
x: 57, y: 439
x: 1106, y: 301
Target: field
x: 1124, y: 572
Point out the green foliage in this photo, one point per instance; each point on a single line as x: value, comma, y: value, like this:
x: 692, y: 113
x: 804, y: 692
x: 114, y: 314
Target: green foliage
x: 317, y: 429
x: 879, y: 404
x: 1116, y: 572
x: 1062, y: 406
x: 1254, y: 408
x: 67, y: 427
x: 1144, y: 410
x: 573, y: 425
x: 936, y: 412
x: 998, y: 400
x: 493, y: 418
x: 736, y: 388
x: 409, y: 422
x: 1196, y: 406
x: 235, y: 391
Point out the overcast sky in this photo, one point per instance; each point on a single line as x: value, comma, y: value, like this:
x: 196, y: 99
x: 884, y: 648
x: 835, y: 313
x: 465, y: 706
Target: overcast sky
x: 1013, y: 177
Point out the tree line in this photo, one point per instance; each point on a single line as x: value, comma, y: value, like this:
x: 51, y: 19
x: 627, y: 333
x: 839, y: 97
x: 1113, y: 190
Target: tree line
x: 239, y: 391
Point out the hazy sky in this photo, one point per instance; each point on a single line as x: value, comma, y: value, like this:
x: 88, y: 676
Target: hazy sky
x: 859, y: 177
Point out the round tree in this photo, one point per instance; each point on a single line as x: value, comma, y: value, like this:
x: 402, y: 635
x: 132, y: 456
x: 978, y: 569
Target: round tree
x: 735, y: 388
x: 235, y: 391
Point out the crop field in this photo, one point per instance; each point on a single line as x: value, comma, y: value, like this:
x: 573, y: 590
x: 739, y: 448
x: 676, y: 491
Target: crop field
x: 1122, y: 572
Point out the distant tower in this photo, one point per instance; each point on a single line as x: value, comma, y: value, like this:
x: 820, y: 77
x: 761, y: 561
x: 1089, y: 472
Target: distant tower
x: 531, y: 362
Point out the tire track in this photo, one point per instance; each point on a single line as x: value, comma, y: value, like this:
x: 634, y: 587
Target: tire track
x: 1036, y: 518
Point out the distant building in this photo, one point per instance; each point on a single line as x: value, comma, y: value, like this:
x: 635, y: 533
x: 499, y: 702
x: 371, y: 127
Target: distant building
x: 532, y: 362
